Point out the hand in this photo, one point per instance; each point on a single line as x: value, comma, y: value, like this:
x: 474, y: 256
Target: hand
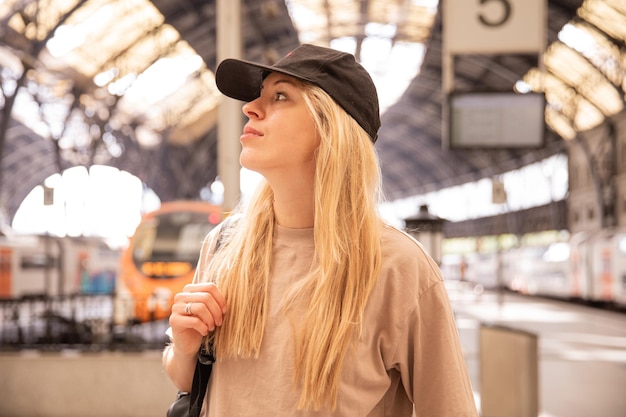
x: 196, y: 311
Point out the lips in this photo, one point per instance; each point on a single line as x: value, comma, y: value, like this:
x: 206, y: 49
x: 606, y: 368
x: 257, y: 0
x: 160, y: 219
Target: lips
x: 248, y: 131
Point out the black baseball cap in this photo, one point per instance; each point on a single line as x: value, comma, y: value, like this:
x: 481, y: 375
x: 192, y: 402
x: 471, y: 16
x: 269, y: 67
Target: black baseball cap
x: 337, y: 73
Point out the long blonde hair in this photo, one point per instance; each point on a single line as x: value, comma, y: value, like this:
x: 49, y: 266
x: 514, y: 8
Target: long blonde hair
x: 346, y: 265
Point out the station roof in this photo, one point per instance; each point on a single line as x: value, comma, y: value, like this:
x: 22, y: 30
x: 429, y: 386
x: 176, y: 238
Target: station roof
x: 129, y: 83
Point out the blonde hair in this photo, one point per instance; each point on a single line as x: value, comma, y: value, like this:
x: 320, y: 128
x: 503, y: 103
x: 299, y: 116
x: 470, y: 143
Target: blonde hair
x: 346, y: 265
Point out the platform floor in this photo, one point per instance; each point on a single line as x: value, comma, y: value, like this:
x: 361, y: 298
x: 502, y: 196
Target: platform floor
x: 581, y: 350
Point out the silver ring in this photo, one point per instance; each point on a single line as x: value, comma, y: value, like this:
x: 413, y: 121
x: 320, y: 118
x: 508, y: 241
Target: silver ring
x: 188, y: 309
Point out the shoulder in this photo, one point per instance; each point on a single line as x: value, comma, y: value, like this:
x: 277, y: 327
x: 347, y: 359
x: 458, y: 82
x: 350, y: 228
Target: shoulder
x: 220, y: 233
x: 405, y: 260
x: 407, y: 288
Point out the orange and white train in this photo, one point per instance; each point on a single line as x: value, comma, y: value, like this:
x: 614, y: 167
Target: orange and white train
x: 161, y: 258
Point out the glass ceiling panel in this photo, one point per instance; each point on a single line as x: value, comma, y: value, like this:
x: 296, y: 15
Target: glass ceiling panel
x: 321, y: 21
x: 414, y: 20
x: 586, y: 115
x: 113, y: 47
x: 594, y: 46
x: 581, y: 75
x: 608, y: 15
x: 417, y: 24
x: 49, y: 13
x: 559, y: 123
x: 117, y: 48
x: 310, y: 17
x: 584, y: 80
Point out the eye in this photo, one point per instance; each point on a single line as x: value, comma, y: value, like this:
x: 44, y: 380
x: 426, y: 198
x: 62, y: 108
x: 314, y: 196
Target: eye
x: 279, y: 96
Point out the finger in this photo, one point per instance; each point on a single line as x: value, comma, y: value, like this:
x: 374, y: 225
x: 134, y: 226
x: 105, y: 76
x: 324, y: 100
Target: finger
x: 202, y: 305
x: 198, y: 287
x: 208, y: 287
x: 208, y: 311
x: 217, y: 296
x: 181, y: 323
x: 214, y: 311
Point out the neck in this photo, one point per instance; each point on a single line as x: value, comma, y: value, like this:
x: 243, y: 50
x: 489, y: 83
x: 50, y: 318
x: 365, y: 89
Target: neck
x: 294, y: 202
x: 294, y: 199
x: 294, y: 211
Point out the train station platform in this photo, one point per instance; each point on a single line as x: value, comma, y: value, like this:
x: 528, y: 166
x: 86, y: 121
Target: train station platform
x: 580, y: 350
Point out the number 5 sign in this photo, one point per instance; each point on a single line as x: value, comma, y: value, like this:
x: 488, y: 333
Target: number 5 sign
x: 494, y: 26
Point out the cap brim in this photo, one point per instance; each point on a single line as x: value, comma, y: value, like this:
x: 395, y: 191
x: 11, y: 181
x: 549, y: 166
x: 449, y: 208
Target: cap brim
x: 242, y: 80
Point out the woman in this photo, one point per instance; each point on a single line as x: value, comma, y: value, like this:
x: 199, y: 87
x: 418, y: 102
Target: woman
x: 315, y: 306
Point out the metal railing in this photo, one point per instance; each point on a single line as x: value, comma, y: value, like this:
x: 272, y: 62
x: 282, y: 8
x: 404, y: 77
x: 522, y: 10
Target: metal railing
x: 80, y: 321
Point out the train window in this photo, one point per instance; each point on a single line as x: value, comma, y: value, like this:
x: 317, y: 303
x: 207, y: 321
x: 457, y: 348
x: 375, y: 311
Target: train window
x: 191, y: 237
x: 166, y: 239
x: 37, y: 261
x: 143, y: 240
x: 557, y: 252
x: 171, y: 237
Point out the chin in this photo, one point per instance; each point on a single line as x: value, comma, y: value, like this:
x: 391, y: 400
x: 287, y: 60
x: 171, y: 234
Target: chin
x: 248, y: 162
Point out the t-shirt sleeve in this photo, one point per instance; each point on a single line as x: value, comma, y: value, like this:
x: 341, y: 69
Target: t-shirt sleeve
x: 432, y: 365
x: 427, y: 352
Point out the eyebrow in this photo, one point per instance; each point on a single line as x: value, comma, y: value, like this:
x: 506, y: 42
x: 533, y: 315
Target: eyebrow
x: 280, y: 81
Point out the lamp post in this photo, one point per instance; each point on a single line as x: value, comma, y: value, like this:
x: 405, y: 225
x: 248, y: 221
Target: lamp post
x: 428, y: 230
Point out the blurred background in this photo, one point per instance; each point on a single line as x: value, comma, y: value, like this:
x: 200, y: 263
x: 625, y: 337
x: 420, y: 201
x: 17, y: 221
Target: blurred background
x: 502, y: 147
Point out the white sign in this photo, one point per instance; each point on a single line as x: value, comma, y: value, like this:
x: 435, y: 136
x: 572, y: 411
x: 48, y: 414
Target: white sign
x: 497, y: 120
x: 494, y: 26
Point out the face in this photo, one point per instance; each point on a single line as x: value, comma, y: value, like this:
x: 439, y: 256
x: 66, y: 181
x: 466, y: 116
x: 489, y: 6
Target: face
x: 280, y: 138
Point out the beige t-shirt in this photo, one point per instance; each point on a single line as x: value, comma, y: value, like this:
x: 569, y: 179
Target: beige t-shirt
x: 409, y: 352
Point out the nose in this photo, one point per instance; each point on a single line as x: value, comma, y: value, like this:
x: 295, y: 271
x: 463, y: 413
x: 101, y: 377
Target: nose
x: 252, y: 109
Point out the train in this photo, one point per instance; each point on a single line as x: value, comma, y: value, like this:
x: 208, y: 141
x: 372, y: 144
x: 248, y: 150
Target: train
x: 582, y: 267
x: 140, y: 278
x: 51, y: 266
x: 161, y: 258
